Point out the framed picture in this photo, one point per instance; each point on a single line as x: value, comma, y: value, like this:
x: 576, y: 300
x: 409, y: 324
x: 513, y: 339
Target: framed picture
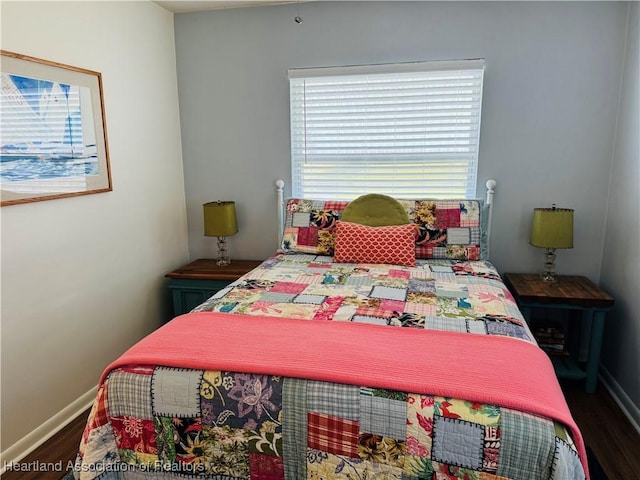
x: 53, y: 138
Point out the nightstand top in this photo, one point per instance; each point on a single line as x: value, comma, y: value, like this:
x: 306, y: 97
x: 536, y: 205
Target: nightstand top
x: 207, y: 269
x: 569, y: 289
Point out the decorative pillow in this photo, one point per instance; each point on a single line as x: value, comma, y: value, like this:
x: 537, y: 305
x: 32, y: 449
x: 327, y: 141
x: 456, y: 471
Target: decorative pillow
x: 309, y: 226
x: 449, y: 229
x: 375, y: 210
x: 392, y: 244
x: 445, y: 229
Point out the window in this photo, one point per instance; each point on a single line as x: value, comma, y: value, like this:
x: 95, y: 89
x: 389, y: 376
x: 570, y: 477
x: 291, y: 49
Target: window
x: 406, y: 130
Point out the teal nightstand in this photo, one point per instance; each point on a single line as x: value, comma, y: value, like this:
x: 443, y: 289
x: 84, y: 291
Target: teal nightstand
x: 196, y: 282
x: 570, y: 292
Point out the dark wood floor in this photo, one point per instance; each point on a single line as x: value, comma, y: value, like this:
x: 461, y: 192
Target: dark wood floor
x: 606, y: 430
x: 604, y: 427
x: 62, y: 447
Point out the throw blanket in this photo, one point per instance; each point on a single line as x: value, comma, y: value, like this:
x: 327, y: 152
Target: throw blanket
x: 514, y: 374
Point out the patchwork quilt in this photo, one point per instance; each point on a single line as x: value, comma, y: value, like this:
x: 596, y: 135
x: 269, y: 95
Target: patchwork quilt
x: 166, y: 421
x: 461, y: 296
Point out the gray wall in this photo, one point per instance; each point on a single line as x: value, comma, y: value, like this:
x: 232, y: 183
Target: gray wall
x: 621, y: 259
x: 550, y: 102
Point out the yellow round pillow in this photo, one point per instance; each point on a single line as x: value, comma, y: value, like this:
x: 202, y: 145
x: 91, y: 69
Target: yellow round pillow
x: 375, y: 210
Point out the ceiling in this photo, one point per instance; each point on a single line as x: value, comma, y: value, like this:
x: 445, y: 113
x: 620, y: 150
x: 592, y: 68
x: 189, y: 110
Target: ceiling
x: 200, y: 5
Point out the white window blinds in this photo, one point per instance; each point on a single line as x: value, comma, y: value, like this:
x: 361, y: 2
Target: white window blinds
x: 405, y: 130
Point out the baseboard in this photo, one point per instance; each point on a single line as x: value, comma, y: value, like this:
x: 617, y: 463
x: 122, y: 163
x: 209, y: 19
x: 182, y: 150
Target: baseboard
x: 48, y: 429
x: 630, y: 410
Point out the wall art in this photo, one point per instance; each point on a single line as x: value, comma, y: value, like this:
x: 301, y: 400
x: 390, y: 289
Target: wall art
x: 53, y: 138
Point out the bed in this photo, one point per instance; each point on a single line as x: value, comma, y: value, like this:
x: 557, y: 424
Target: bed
x: 378, y: 342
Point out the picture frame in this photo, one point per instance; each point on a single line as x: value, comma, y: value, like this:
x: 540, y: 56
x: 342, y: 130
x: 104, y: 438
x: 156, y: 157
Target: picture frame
x: 53, y: 137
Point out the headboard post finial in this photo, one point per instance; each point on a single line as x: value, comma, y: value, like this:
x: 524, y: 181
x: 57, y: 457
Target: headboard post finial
x: 491, y: 185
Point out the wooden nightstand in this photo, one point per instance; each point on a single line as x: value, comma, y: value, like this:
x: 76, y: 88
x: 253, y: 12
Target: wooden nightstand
x: 573, y: 293
x: 194, y: 283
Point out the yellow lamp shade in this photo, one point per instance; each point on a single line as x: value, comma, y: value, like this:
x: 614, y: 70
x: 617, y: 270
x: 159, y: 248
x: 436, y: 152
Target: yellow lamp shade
x: 552, y: 228
x: 220, y: 219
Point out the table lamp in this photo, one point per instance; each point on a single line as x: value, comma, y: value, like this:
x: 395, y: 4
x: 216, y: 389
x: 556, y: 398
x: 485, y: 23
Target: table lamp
x: 551, y: 228
x: 220, y: 221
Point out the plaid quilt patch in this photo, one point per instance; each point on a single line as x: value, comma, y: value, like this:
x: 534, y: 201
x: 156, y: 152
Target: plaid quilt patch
x: 130, y: 395
x: 522, y: 432
x: 98, y: 415
x: 332, y: 434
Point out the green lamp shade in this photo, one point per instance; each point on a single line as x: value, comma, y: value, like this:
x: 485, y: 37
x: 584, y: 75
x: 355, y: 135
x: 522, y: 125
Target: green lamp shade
x: 552, y: 228
x: 220, y: 219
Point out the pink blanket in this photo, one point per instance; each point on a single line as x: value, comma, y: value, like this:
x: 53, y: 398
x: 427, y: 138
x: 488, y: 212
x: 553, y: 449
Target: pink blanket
x: 482, y: 368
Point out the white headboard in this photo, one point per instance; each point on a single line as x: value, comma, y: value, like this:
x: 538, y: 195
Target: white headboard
x: 280, y: 209
x: 490, y: 184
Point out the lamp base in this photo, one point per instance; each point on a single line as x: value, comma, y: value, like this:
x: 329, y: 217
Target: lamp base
x: 549, y: 278
x: 549, y: 274
x: 223, y: 257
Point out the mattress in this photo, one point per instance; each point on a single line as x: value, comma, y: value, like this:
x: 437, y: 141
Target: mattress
x: 306, y: 368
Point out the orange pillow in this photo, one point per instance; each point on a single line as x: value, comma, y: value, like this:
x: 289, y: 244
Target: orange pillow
x: 393, y: 244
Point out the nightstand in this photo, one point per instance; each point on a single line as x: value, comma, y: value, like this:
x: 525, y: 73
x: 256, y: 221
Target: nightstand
x: 196, y: 282
x: 569, y: 292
